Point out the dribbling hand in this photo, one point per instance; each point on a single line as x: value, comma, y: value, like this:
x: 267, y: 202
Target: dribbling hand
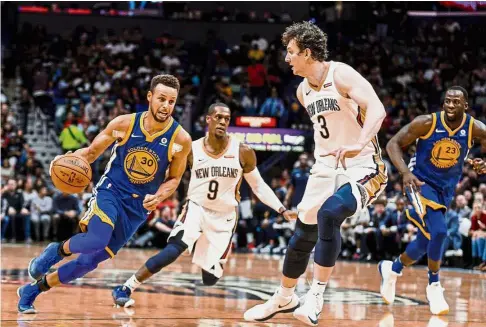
x: 55, y: 158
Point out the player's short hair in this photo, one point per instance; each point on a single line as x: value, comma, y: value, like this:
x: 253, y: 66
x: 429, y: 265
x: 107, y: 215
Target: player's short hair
x: 165, y: 79
x: 307, y: 35
x: 459, y: 88
x: 217, y: 104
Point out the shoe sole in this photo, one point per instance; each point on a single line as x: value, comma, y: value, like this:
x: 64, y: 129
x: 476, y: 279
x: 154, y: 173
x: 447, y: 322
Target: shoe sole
x: 281, y: 311
x: 28, y: 311
x: 305, y: 319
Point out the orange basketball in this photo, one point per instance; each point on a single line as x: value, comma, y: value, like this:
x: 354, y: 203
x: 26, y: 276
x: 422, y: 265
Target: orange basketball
x: 71, y: 174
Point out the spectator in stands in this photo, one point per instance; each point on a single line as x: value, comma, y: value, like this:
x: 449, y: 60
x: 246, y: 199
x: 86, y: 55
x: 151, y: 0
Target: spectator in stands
x: 41, y: 209
x: 72, y: 138
x: 273, y: 106
x: 372, y: 243
x: 66, y: 210
x: 94, y: 110
x: 453, y: 236
x: 257, y: 78
x: 29, y: 194
x: 462, y: 209
x: 298, y: 181
x: 7, y: 170
x: 13, y: 209
x: 159, y: 226
x: 478, y: 235
x: 391, y: 228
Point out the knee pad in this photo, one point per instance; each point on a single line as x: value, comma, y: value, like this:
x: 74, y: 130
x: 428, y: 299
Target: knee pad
x: 299, y: 249
x: 335, y: 210
x: 175, y: 247
x: 208, y: 278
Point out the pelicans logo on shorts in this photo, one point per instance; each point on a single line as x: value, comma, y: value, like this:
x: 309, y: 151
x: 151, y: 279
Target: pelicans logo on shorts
x: 445, y: 153
x: 141, y: 165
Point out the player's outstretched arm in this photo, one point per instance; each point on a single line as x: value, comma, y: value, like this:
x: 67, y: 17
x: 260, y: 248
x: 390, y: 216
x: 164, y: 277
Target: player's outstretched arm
x: 258, y: 185
x: 116, y: 129
x: 176, y: 170
x: 419, y: 127
x: 479, y: 133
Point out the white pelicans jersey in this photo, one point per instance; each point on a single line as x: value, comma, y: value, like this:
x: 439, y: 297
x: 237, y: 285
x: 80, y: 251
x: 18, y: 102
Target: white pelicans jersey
x: 337, y: 121
x: 215, y: 180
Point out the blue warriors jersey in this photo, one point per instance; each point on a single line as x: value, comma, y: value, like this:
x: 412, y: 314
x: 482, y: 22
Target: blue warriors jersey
x: 440, y: 154
x: 139, y: 162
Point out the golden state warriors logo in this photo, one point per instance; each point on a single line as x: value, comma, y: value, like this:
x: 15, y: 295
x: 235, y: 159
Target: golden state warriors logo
x: 445, y: 153
x: 141, y: 165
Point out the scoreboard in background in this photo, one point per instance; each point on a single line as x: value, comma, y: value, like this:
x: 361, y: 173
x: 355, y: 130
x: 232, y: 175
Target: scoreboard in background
x: 271, y: 139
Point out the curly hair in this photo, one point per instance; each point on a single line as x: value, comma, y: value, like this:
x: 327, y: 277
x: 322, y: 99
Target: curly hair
x: 167, y: 80
x: 307, y: 35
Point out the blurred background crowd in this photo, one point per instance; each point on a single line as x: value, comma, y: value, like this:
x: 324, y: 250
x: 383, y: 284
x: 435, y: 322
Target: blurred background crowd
x: 61, y: 87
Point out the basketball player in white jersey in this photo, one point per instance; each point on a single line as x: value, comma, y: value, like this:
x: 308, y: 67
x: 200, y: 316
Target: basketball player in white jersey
x: 218, y: 163
x: 348, y: 173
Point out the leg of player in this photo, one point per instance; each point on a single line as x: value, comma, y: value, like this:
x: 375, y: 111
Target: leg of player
x: 331, y: 215
x: 389, y: 270
x: 438, y: 232
x: 95, y: 239
x: 98, y: 233
x: 295, y: 263
x: 175, y: 247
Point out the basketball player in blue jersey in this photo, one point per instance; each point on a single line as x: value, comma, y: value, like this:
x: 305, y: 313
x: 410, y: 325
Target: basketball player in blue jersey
x: 147, y: 162
x: 443, y: 141
x: 208, y: 219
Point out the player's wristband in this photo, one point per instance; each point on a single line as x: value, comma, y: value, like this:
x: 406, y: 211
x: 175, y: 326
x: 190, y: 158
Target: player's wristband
x: 282, y: 211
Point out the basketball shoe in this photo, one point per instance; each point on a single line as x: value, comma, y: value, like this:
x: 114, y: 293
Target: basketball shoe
x: 40, y: 265
x: 310, y: 311
x: 121, y: 296
x: 435, y: 296
x: 388, y: 281
x: 27, y: 295
x: 276, y: 304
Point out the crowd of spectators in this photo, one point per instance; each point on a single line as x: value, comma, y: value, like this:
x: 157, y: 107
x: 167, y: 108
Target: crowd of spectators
x: 84, y: 79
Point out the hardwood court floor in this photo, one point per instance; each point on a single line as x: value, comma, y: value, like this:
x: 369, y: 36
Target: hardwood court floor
x: 173, y: 298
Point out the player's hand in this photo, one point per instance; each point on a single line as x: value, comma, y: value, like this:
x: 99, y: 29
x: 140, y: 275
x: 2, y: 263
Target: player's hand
x: 479, y: 165
x: 410, y: 180
x: 55, y: 158
x: 151, y: 201
x: 341, y: 153
x: 289, y: 215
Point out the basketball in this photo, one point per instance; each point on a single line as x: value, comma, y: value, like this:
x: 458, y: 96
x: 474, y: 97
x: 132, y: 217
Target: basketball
x: 71, y: 174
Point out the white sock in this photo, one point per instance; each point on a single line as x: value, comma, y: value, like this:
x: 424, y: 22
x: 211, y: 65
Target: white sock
x: 132, y: 283
x: 318, y: 286
x: 286, y: 291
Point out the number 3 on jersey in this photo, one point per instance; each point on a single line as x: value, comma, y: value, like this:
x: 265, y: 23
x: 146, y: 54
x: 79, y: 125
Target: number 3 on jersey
x: 321, y: 120
x: 213, y: 190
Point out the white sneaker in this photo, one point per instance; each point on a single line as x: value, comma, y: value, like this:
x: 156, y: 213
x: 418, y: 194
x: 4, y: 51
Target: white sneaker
x: 388, y: 281
x: 435, y: 296
x: 276, y: 304
x: 311, y: 309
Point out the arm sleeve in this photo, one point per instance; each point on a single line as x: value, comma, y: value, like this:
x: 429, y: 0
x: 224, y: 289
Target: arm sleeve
x: 262, y: 190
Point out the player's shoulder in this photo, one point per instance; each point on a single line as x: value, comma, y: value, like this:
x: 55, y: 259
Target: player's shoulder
x: 245, y: 148
x: 123, y: 122
x: 426, y: 119
x: 183, y: 136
